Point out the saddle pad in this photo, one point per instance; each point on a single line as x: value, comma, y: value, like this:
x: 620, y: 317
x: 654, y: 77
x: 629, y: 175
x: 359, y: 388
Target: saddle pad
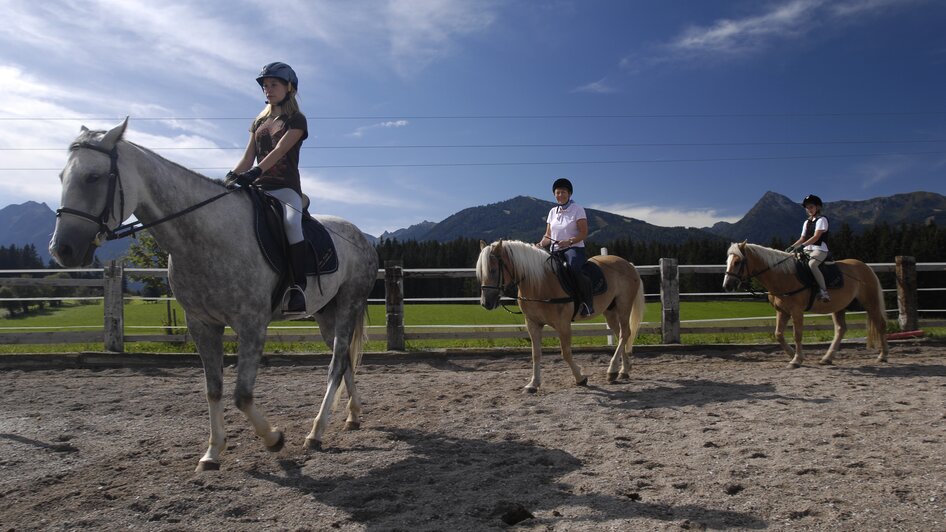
x: 833, y: 278
x: 599, y: 284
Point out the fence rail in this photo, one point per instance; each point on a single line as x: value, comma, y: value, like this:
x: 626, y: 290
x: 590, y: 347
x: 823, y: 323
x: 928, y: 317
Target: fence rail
x: 113, y: 335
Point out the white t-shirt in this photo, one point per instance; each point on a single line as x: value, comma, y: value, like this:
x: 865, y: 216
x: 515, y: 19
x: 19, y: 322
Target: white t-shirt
x: 563, y: 222
x: 820, y: 225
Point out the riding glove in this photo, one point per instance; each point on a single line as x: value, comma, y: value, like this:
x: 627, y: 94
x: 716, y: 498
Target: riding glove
x: 790, y: 249
x: 244, y: 178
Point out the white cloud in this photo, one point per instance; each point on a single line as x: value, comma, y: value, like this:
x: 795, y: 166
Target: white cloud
x: 596, y: 87
x: 389, y: 124
x: 667, y: 216
x: 778, y: 23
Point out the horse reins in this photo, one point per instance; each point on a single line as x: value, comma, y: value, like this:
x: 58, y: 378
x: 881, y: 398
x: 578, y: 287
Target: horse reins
x: 114, y: 184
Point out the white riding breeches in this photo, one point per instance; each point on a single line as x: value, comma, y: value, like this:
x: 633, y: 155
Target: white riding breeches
x: 816, y: 257
x: 292, y: 212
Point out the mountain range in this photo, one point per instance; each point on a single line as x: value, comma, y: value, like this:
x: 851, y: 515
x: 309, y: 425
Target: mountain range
x: 523, y: 218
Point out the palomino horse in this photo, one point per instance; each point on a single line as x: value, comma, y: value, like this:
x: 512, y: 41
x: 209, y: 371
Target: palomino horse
x: 215, y: 268
x: 504, y: 264
x: 776, y: 271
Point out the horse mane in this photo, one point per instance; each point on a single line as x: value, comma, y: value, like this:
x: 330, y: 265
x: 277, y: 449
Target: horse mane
x: 528, y: 263
x: 93, y: 136
x: 771, y: 258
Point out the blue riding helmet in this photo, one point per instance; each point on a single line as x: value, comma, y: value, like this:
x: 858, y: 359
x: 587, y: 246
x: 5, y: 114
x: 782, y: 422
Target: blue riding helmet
x: 279, y: 71
x: 563, y: 183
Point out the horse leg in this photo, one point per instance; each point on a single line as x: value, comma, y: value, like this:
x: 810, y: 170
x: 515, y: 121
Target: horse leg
x: 619, y: 353
x: 798, y: 323
x: 250, y: 350
x: 565, y: 339
x: 840, y: 327
x: 535, y: 335
x: 339, y: 368
x: 877, y: 330
x: 781, y: 320
x: 209, y: 340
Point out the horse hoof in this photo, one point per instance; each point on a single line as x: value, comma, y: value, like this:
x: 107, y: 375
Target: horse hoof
x: 793, y: 365
x: 583, y: 381
x: 313, y: 445
x: 352, y: 425
x: 612, y: 378
x: 280, y: 443
x: 207, y: 466
x: 826, y: 362
x: 882, y: 360
x: 624, y: 377
x: 530, y: 389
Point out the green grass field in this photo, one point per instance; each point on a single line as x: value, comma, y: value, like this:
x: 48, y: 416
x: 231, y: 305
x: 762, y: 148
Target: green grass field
x: 150, y: 317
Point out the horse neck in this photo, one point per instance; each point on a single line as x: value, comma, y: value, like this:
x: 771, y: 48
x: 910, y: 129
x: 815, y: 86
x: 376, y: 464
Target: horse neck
x: 164, y: 188
x: 773, y: 280
x: 533, y: 274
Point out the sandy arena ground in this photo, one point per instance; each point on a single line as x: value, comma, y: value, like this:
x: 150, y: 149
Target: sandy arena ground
x: 708, y: 439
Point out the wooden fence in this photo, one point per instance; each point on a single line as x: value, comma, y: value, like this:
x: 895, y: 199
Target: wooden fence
x: 113, y: 334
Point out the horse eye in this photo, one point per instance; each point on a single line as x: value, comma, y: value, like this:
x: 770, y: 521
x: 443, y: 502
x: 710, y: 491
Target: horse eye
x: 92, y: 178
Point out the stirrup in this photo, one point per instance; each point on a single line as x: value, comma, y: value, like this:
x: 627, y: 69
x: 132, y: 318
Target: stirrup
x: 295, y: 292
x: 824, y: 296
x: 585, y: 310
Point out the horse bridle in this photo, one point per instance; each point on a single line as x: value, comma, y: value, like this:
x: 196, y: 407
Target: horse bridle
x: 114, y: 185
x: 744, y: 277
x: 500, y: 285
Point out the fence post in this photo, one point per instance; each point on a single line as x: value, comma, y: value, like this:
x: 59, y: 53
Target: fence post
x: 907, y: 293
x: 114, y: 307
x: 669, y: 301
x: 394, y: 303
x: 610, y: 337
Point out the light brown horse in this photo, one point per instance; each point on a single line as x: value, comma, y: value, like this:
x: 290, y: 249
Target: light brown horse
x: 776, y: 271
x: 504, y: 264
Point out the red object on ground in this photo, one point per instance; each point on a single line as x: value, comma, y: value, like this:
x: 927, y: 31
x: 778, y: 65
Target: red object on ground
x: 905, y: 334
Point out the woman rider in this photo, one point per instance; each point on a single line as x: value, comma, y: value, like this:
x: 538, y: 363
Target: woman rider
x: 566, y: 229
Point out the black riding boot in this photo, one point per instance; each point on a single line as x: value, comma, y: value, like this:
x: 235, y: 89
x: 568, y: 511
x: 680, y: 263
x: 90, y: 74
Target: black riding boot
x: 587, y: 297
x: 296, y: 303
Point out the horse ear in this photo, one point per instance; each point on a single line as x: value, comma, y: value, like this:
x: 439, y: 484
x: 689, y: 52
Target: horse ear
x: 483, y: 244
x: 83, y: 129
x: 114, y: 135
x: 744, y: 242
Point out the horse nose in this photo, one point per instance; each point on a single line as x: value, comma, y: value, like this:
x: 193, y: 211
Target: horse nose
x: 63, y: 253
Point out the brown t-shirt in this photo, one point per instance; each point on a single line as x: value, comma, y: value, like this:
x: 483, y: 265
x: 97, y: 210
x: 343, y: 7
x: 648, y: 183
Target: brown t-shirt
x: 267, y: 132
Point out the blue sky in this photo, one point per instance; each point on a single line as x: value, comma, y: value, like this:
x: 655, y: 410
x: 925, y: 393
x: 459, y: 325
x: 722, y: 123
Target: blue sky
x: 676, y: 112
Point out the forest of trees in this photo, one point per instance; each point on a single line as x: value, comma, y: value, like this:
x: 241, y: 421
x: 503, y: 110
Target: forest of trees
x: 880, y: 244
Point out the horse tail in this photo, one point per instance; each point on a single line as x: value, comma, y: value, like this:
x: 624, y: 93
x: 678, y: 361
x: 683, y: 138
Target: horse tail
x: 637, y: 315
x: 876, y: 320
x: 359, y: 337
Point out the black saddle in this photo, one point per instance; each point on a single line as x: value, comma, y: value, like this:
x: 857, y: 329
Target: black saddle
x: 566, y: 277
x: 321, y: 257
x: 833, y: 278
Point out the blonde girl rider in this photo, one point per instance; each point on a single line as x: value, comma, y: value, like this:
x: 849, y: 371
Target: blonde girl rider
x: 276, y: 137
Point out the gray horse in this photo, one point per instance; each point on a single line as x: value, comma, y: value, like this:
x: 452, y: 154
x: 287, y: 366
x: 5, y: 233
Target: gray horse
x: 215, y: 269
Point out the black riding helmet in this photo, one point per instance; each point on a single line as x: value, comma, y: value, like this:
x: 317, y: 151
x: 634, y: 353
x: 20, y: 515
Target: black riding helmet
x: 279, y: 71
x: 563, y: 183
x: 812, y: 199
